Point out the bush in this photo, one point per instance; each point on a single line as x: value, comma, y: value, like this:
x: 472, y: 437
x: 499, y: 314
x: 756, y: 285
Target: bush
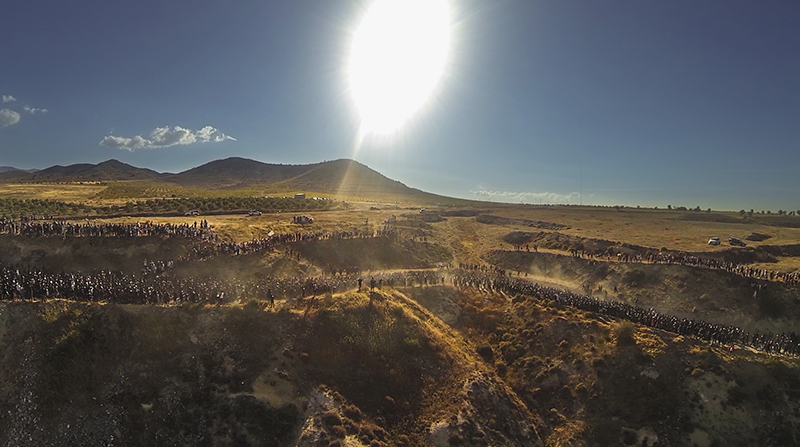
x: 486, y: 352
x: 338, y: 431
x: 624, y: 332
x: 352, y: 412
x: 634, y: 278
x: 330, y: 418
x: 252, y: 304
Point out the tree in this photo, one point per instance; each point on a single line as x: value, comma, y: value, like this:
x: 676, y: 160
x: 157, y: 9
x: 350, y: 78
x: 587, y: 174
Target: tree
x: 742, y: 212
x: 669, y: 207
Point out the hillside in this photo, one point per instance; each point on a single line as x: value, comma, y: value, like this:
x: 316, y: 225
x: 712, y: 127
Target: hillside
x: 413, y: 366
x: 597, y: 381
x: 343, y: 177
x: 4, y: 169
x: 358, y: 369
x: 111, y: 170
x: 235, y: 171
x: 237, y: 176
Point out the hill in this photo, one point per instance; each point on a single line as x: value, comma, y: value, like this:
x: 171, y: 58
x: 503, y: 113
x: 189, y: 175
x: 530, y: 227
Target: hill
x: 235, y: 171
x: 13, y: 169
x: 237, y: 176
x: 338, y: 177
x: 596, y: 381
x: 357, y: 369
x: 106, y: 171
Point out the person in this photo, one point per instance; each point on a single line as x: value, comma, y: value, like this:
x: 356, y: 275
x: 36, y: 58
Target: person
x: 371, y: 283
x: 360, y: 280
x: 271, y: 298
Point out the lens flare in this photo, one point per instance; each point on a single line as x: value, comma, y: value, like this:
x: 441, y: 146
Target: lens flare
x: 397, y: 58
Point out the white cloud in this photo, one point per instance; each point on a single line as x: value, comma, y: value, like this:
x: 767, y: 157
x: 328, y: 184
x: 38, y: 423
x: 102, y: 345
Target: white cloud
x: 33, y: 110
x: 8, y: 117
x: 526, y: 197
x: 165, y: 137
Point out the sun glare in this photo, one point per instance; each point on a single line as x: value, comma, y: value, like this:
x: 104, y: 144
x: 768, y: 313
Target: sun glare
x: 397, y: 57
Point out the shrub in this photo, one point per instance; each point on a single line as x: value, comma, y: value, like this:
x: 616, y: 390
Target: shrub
x: 634, y: 278
x: 455, y: 439
x: 252, y: 304
x: 624, y: 332
x: 352, y: 412
x: 485, y: 351
x: 331, y: 418
x: 338, y: 431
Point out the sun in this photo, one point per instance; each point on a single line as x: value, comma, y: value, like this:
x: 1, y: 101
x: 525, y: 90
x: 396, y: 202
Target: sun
x: 397, y: 58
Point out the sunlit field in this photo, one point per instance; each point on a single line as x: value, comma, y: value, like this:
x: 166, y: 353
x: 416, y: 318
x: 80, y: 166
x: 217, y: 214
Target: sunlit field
x: 70, y: 192
x: 651, y: 228
x: 654, y: 228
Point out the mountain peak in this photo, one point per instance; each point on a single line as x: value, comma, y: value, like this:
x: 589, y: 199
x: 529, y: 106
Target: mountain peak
x: 343, y: 177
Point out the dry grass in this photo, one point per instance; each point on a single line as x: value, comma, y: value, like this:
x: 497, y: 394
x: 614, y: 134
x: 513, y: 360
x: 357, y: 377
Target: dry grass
x: 646, y: 227
x: 470, y: 240
x: 71, y: 192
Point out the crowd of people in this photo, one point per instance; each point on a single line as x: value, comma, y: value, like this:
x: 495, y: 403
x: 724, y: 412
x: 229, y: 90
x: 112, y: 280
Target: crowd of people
x: 683, y: 258
x: 784, y: 343
x: 64, y: 229
x: 204, y: 251
x: 211, y: 245
x: 158, y: 283
x: 167, y: 288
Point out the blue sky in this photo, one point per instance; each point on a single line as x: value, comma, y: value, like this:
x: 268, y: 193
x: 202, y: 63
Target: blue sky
x: 616, y: 102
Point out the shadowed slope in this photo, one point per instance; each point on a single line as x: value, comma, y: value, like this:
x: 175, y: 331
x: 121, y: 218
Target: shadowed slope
x: 236, y: 171
x: 105, y: 171
x: 371, y: 369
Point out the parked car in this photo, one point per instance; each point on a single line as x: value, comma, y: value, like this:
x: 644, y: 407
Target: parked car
x: 192, y: 213
x: 254, y: 213
x: 736, y: 241
x: 714, y: 241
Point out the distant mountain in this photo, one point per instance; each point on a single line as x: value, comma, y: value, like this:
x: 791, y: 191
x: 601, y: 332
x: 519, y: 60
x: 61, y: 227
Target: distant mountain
x: 347, y: 177
x: 106, y: 171
x: 13, y: 169
x: 236, y: 171
x: 341, y: 177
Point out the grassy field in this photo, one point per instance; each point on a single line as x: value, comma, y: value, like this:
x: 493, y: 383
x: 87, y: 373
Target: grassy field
x: 651, y: 228
x: 70, y: 192
x: 655, y: 229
